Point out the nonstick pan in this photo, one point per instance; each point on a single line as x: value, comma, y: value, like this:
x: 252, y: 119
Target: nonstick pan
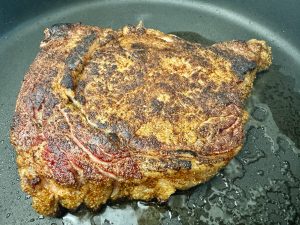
x: 260, y: 186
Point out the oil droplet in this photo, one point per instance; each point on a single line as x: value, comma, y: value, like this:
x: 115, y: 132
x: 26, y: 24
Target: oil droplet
x: 253, y: 152
x: 142, y: 205
x: 260, y: 172
x: 259, y: 113
x: 283, y: 144
x: 41, y: 217
x: 278, y: 91
x: 285, y: 166
x: 107, y: 222
x: 177, y: 201
x: 2, y: 141
x: 234, y: 169
x: 8, y: 215
x: 27, y: 197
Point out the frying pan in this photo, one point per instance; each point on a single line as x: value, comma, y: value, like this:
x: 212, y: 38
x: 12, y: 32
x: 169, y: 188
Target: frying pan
x: 261, y: 185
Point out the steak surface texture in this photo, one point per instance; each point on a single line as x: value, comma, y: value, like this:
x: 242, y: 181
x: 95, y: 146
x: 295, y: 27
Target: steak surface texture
x: 105, y: 114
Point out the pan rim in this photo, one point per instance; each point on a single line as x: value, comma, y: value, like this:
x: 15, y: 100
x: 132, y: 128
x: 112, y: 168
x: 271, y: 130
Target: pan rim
x: 224, y: 13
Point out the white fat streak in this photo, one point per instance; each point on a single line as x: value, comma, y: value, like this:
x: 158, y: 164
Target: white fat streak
x: 92, y: 157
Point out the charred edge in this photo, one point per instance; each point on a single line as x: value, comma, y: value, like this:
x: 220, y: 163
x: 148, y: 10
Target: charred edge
x: 205, y: 160
x: 102, y: 125
x: 114, y: 139
x: 169, y: 164
x: 94, y: 68
x: 123, y: 130
x: 139, y: 29
x: 109, y: 37
x: 15, y: 121
x: 67, y: 80
x: 177, y: 164
x: 139, y: 51
x: 79, y: 90
x: 34, y: 181
x: 182, y: 152
x: 138, y: 45
x: 145, y: 143
x: 110, y: 69
x: 156, y: 105
x: 162, y: 165
x: 50, y: 103
x: 38, y: 96
x: 106, y: 142
x: 240, y: 65
x: 225, y: 98
x: 58, y: 30
x: 75, y: 60
x: 80, y: 98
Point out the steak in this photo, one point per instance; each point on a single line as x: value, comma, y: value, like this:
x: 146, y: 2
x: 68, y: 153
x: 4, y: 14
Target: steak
x: 105, y: 114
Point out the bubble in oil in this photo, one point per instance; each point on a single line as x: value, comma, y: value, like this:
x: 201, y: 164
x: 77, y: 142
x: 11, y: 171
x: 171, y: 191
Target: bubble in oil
x: 177, y: 201
x: 170, y: 218
x: 259, y: 114
x: 285, y: 167
x: 41, y: 217
x: 283, y: 144
x: 27, y: 197
x: 260, y: 172
x: 149, y: 215
x: 234, y: 169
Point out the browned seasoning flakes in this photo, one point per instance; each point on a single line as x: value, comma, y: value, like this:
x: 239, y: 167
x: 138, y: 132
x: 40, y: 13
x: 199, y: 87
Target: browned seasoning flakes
x: 136, y: 113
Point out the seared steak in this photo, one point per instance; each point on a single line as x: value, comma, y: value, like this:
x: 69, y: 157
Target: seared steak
x: 133, y: 113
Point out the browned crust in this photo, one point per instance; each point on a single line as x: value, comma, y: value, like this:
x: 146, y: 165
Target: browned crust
x: 130, y: 113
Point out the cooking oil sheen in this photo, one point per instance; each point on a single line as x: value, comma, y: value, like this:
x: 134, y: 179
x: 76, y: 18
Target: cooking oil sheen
x: 248, y: 190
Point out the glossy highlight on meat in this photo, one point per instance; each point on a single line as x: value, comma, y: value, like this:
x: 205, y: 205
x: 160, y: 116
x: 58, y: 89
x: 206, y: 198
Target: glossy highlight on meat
x: 106, y: 114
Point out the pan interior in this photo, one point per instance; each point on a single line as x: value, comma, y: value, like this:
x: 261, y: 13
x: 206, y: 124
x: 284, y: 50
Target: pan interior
x: 260, y: 186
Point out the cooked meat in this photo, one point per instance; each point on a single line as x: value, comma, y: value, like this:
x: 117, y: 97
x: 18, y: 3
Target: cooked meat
x: 133, y: 113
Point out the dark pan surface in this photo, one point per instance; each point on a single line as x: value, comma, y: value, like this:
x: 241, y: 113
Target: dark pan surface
x: 260, y: 186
